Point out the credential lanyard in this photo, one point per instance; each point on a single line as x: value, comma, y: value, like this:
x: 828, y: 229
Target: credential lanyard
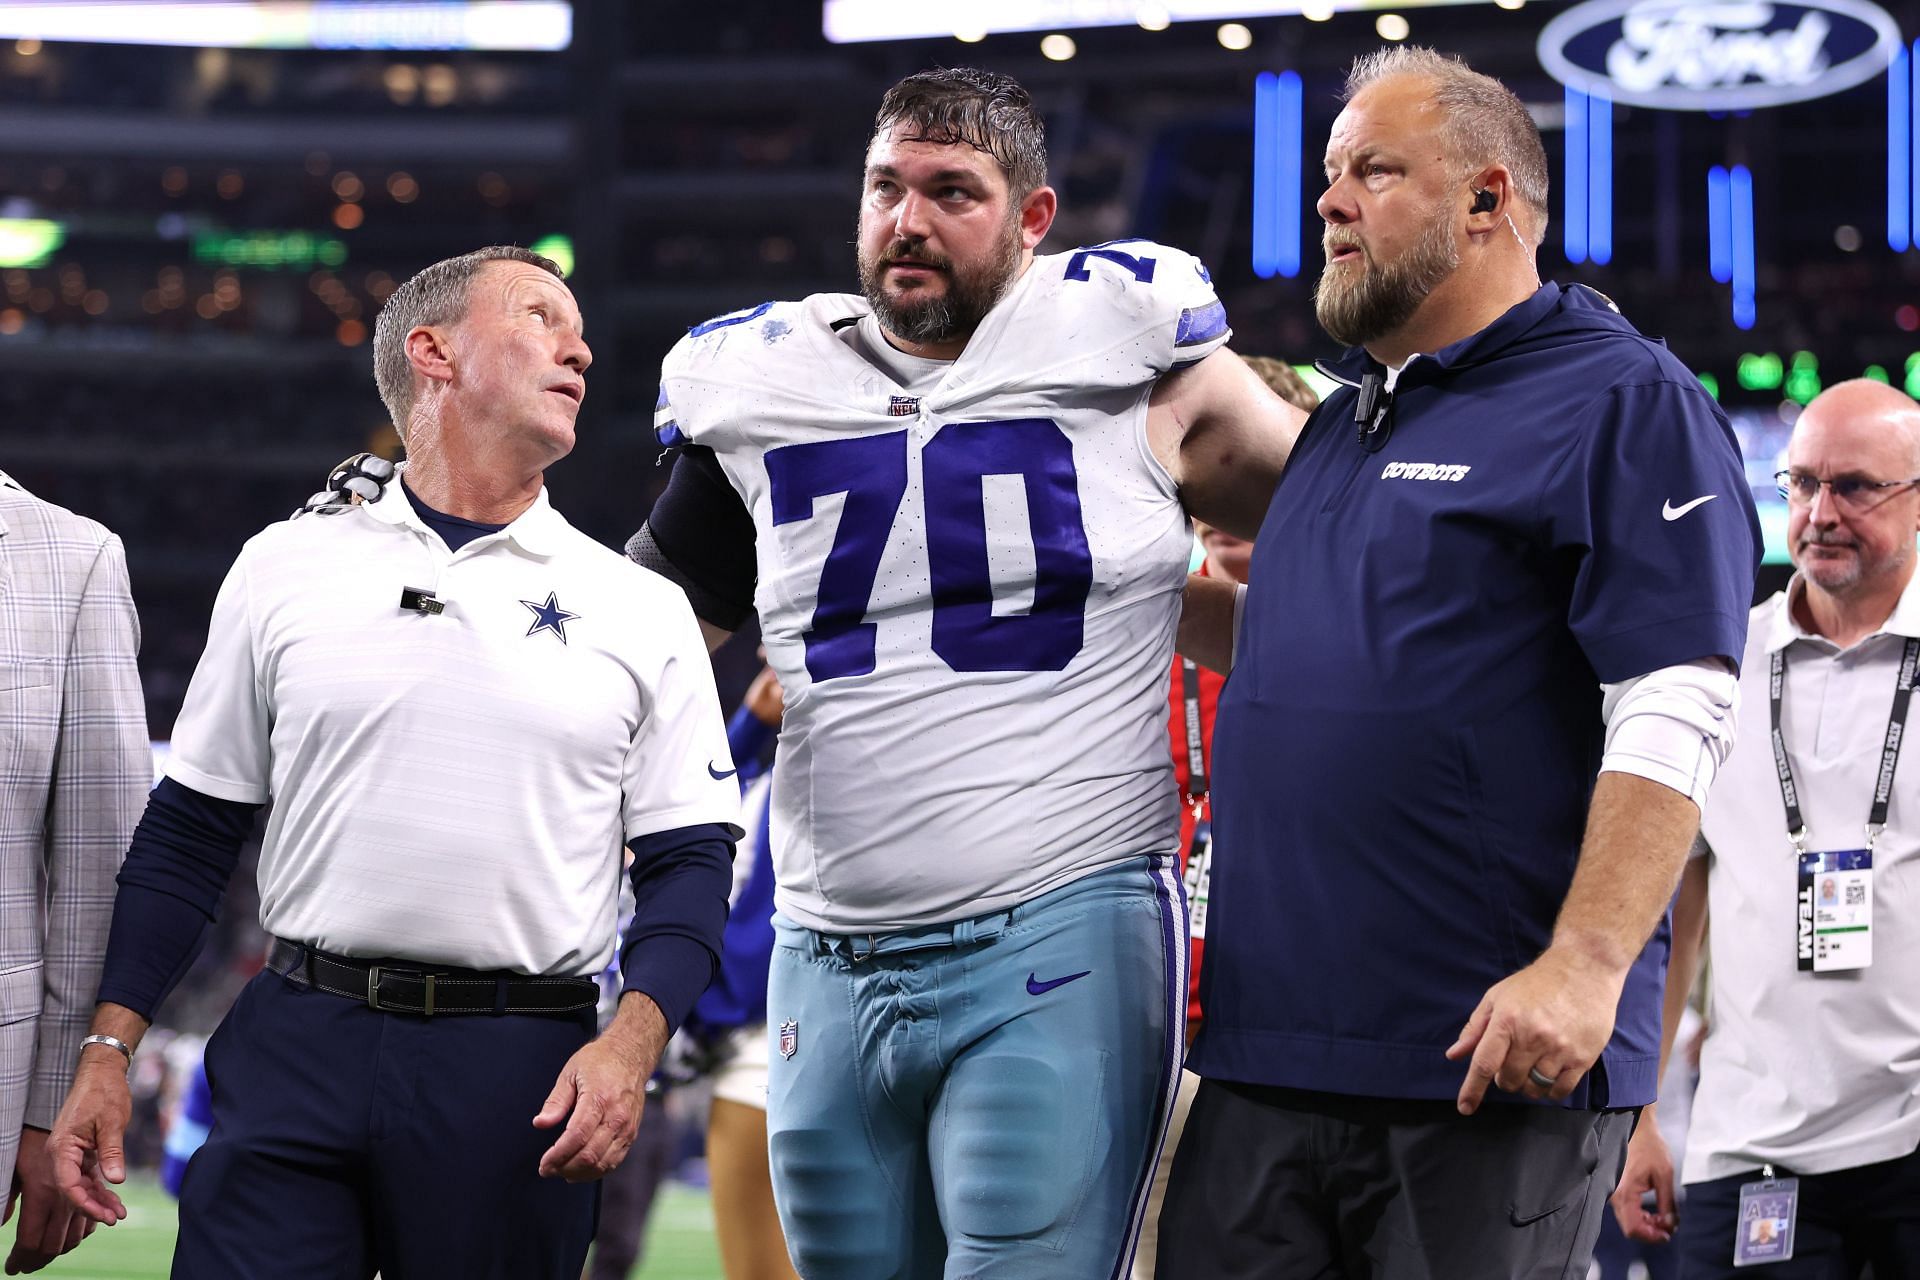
x: 1196, y: 748
x: 1889, y: 750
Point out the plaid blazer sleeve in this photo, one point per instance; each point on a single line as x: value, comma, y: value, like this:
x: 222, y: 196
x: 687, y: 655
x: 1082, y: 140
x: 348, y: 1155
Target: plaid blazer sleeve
x: 102, y: 770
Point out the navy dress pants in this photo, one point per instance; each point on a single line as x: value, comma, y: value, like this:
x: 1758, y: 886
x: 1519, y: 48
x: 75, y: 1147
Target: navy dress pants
x: 347, y: 1141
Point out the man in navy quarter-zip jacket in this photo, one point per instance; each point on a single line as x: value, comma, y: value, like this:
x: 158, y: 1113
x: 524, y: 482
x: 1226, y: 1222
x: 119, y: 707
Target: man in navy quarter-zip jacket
x: 1480, y: 685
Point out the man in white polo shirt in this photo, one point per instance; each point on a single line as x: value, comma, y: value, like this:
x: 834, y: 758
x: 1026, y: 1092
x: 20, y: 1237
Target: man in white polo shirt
x: 1803, y: 1148
x: 461, y: 708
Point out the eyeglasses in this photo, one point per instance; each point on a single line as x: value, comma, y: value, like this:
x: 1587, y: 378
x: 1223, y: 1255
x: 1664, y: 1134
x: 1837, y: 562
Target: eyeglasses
x: 1852, y: 493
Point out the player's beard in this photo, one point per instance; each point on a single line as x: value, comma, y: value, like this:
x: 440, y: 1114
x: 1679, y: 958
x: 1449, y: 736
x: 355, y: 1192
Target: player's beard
x: 922, y: 316
x: 1361, y: 302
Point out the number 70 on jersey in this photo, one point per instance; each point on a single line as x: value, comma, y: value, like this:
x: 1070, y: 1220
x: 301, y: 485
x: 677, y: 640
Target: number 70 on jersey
x: 967, y: 635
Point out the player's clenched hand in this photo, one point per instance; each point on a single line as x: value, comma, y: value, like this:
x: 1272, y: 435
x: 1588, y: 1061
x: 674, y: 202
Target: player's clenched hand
x: 1554, y: 1016
x: 1649, y: 1168
x: 86, y: 1142
x: 603, y: 1086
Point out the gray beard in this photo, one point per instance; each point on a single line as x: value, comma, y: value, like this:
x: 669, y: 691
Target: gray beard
x: 1385, y: 297
x: 1840, y: 580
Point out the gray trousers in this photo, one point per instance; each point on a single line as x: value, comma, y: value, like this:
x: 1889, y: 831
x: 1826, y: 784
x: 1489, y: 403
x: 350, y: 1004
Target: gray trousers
x: 1283, y: 1184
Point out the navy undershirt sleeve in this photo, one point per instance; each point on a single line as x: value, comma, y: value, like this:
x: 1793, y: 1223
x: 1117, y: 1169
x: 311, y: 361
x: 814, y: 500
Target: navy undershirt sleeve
x: 681, y: 879
x: 178, y: 864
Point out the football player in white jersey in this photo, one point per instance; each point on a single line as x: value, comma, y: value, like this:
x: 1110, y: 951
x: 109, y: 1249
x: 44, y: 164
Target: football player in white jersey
x: 958, y: 502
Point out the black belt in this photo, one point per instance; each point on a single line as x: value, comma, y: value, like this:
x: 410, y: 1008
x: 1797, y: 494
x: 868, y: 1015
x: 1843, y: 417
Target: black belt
x: 429, y: 991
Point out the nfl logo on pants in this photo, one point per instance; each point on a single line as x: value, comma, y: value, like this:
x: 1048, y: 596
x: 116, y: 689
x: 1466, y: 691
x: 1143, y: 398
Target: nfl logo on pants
x: 789, y: 1039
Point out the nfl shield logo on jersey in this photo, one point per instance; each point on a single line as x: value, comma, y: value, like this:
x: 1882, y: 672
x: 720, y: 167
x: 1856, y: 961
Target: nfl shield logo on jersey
x: 789, y: 1039
x: 902, y: 406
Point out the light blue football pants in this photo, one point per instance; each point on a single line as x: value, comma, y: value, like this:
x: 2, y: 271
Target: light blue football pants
x: 984, y: 1098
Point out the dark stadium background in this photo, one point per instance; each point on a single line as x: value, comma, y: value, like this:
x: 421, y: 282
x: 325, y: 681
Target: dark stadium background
x: 703, y: 157
x: 195, y: 353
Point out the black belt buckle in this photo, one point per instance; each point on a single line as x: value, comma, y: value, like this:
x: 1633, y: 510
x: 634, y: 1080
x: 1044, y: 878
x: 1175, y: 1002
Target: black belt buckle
x: 373, y: 993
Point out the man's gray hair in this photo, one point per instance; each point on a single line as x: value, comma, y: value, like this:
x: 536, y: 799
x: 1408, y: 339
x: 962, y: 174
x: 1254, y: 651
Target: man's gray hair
x: 1486, y: 123
x: 437, y: 295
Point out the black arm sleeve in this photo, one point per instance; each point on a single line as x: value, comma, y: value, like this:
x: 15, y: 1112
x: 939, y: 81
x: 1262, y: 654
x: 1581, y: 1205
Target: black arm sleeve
x: 178, y: 863
x: 700, y: 536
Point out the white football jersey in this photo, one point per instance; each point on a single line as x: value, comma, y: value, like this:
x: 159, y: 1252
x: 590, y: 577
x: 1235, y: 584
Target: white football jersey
x: 969, y: 594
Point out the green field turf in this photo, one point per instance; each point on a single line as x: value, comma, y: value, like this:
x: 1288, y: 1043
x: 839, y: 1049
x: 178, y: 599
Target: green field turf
x: 679, y: 1245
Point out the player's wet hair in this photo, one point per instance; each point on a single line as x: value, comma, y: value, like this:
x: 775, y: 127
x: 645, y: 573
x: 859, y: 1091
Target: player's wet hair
x: 437, y: 295
x: 983, y: 109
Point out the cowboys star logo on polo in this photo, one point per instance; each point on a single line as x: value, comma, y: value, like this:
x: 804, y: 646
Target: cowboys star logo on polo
x: 550, y: 617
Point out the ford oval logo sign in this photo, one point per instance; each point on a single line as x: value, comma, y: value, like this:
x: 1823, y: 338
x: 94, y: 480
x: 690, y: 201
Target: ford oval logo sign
x: 1717, y: 56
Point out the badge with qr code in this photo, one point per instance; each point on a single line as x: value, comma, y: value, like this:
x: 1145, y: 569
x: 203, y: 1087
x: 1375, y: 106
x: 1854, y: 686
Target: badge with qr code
x: 1764, y: 1230
x: 789, y: 1039
x: 1833, y: 913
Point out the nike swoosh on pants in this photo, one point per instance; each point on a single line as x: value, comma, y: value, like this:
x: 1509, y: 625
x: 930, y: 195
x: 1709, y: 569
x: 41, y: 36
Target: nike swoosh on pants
x: 1037, y: 988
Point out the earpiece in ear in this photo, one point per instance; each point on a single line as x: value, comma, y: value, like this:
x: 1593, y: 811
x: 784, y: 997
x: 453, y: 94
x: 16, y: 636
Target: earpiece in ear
x: 1484, y: 201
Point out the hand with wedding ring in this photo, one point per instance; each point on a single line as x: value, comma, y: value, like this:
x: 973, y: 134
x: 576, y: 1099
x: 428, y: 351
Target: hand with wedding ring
x: 1538, y: 1032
